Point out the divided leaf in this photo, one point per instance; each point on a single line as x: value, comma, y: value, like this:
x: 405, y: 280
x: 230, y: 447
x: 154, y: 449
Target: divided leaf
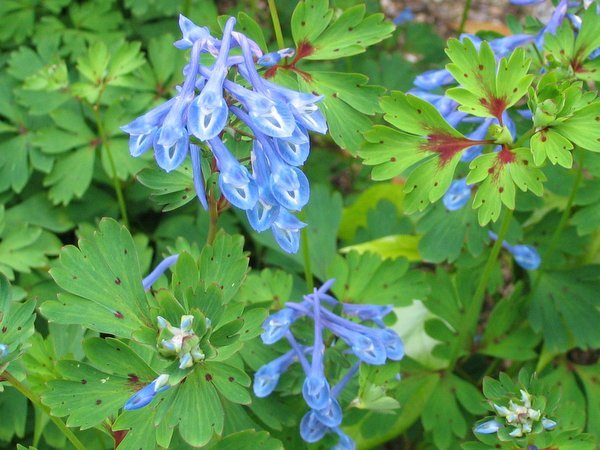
x: 348, y: 34
x: 103, y: 274
x: 487, y: 89
x: 498, y: 174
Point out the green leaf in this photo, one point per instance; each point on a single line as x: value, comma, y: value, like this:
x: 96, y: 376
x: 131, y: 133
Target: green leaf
x: 582, y: 127
x: 71, y: 176
x: 368, y: 278
x: 552, y: 145
x: 589, y: 376
x: 445, y: 233
x: 196, y: 408
x: 224, y: 265
x: 172, y: 190
x: 115, y: 357
x: 16, y: 323
x: 350, y: 33
x: 487, y: 89
x: 567, y: 298
x: 25, y: 247
x: 392, y: 247
x: 85, y: 394
x: 355, y: 215
x: 104, y: 274
x: 268, y: 286
x: 498, y: 174
x: 247, y: 440
x: 348, y: 102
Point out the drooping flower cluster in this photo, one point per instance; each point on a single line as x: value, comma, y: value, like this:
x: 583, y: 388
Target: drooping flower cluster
x: 525, y: 256
x: 519, y: 418
x: 371, y: 345
x: 278, y: 117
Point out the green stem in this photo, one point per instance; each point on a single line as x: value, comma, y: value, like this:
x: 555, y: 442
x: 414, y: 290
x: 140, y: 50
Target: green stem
x: 113, y: 167
x: 213, y: 214
x: 276, y: 24
x: 564, y: 218
x: 36, y: 401
x: 310, y: 283
x: 465, y: 16
x: 474, y: 308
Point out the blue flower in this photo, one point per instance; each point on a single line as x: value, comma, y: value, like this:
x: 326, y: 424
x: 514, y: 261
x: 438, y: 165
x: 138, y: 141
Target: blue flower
x: 159, y: 270
x: 267, y: 376
x: 311, y: 428
x: 270, y: 59
x: 191, y: 33
x: 316, y: 387
x: 406, y: 15
x: 4, y: 350
x: 145, y: 395
x: 525, y: 256
x: 457, y: 196
x: 286, y: 231
x: 277, y: 325
x: 433, y: 79
x: 234, y: 180
x: 488, y: 427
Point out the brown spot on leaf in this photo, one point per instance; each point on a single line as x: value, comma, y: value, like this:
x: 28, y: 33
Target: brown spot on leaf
x: 117, y: 281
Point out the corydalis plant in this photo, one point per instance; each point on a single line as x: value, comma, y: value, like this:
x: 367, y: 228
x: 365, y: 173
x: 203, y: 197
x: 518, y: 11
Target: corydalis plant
x: 231, y: 92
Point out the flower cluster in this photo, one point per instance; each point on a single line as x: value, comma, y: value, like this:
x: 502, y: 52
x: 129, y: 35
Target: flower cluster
x: 519, y: 418
x: 371, y: 345
x: 525, y: 256
x: 180, y: 341
x: 278, y: 117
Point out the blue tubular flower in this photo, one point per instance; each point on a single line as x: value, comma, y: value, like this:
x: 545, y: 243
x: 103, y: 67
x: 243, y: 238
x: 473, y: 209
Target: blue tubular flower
x: 311, y: 428
x: 266, y: 209
x: 286, y: 231
x: 288, y: 185
x: 331, y: 415
x: 525, y: 256
x: 143, y: 129
x: 489, y: 427
x: 270, y: 59
x: 394, y: 347
x: 316, y: 388
x: 277, y: 325
x: 234, y: 180
x: 145, y: 395
x: 503, y: 46
x: 457, y: 196
x: 267, y: 377
x: 374, y: 313
x: 295, y: 149
x: 303, y: 106
x: 172, y: 139
x: 433, y: 79
x: 208, y: 112
x: 559, y: 14
x: 197, y: 176
x: 191, y: 33
x: 345, y: 442
x: 548, y: 424
x: 159, y: 270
